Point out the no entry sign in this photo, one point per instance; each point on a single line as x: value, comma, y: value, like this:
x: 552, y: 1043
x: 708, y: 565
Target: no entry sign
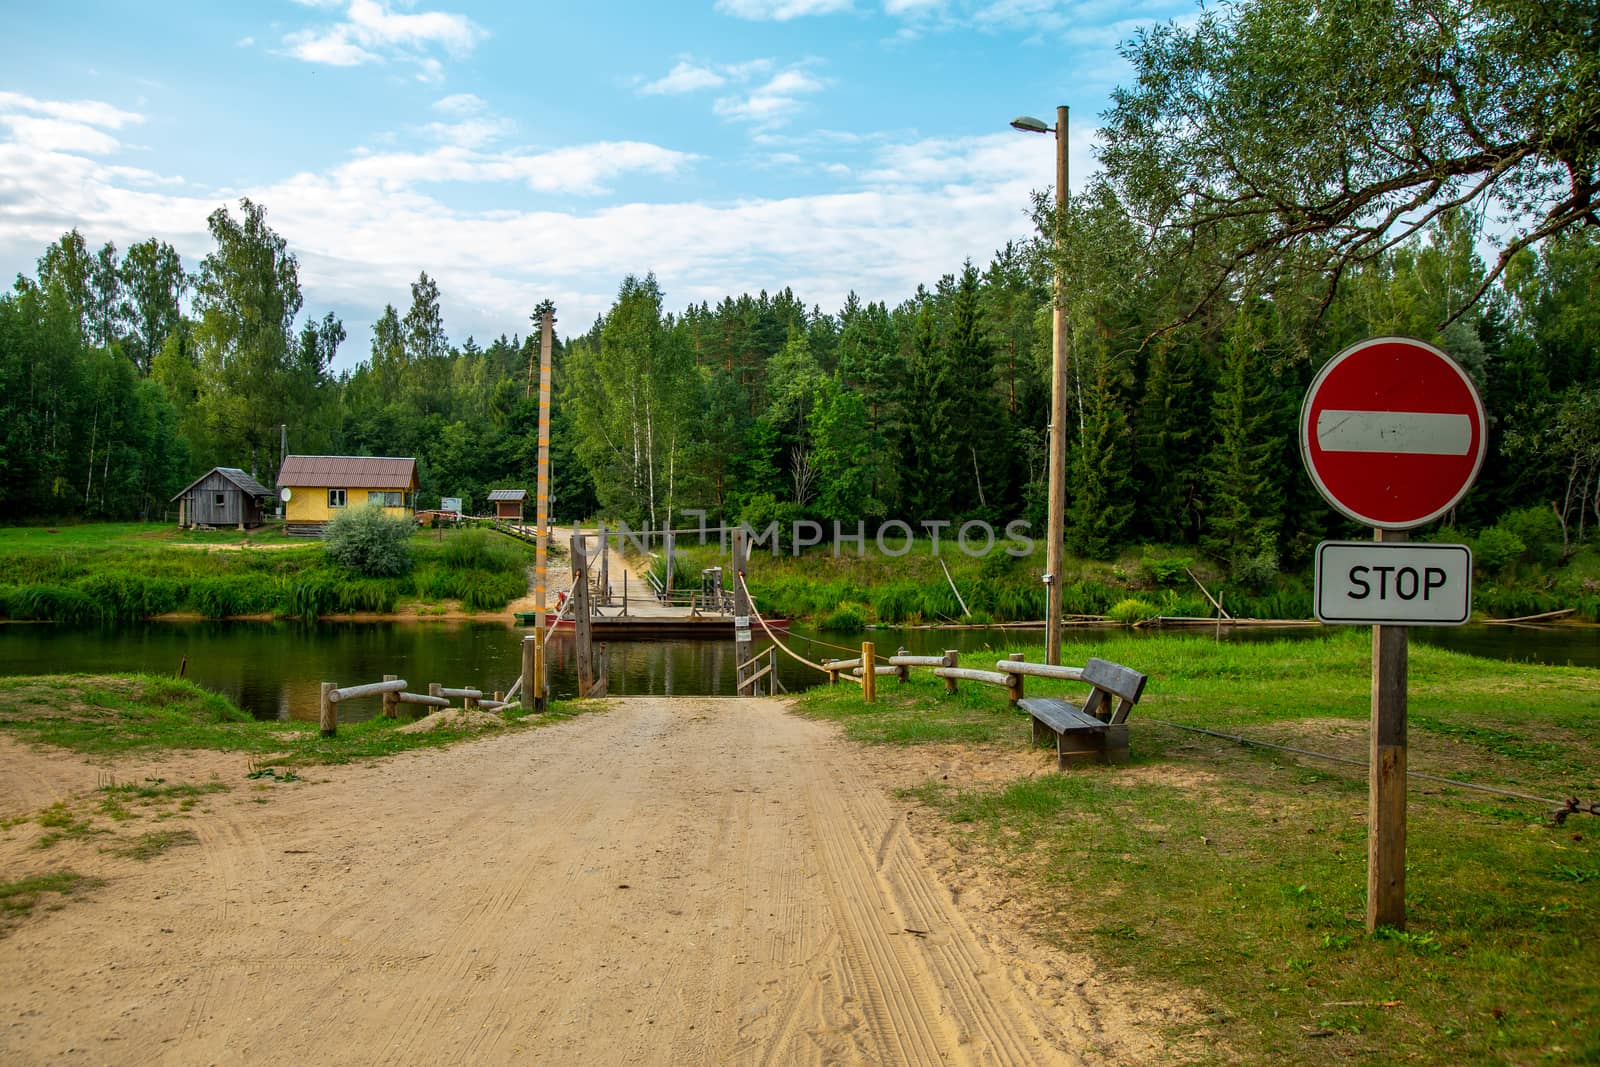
x: 1392, y: 432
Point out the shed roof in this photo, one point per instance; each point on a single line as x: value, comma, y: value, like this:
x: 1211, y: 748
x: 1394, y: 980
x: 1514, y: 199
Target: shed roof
x: 508, y: 494
x: 238, y: 477
x: 354, y: 472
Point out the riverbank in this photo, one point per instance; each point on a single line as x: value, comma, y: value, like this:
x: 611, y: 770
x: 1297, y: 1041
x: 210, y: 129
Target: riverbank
x: 131, y: 571
x: 846, y: 591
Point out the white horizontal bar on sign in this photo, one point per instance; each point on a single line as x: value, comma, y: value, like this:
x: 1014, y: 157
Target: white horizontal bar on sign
x: 1421, y: 433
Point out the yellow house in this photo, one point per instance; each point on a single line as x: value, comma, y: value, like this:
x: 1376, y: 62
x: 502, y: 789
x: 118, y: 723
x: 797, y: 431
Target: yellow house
x: 316, y: 488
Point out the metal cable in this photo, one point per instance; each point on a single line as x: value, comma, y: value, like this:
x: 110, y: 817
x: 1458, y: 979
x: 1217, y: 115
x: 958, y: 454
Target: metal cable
x: 1560, y: 809
x: 789, y: 651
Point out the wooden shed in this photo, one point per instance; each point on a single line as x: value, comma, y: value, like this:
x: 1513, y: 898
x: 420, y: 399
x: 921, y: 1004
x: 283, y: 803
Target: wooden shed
x: 222, y: 496
x: 508, y: 503
x: 320, y: 487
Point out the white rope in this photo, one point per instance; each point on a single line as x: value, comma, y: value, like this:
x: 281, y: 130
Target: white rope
x: 789, y: 651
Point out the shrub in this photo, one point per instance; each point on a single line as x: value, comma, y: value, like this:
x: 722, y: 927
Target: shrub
x: 847, y: 618
x: 368, y: 542
x: 1132, y: 610
x: 1539, y: 531
x: 1163, y: 571
x: 1496, y: 549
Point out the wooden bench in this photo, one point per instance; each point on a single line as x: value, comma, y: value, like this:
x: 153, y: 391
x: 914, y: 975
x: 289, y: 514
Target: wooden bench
x: 1097, y: 731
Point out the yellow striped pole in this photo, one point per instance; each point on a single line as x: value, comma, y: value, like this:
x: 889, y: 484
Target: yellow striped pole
x: 547, y: 321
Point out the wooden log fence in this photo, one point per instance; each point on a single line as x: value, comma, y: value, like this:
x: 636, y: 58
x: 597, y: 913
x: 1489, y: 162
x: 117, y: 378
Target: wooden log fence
x: 393, y: 691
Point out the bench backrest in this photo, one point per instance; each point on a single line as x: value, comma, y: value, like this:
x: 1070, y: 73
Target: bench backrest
x: 1112, y: 679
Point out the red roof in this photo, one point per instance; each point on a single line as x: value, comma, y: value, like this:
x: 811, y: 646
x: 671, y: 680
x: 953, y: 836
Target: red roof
x: 348, y: 472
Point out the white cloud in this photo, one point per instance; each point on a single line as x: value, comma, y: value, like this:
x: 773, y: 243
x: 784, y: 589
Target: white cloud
x: 773, y: 102
x: 363, y: 229
x: 373, y: 32
x: 780, y: 10
x: 245, y: 42
x: 461, y: 105
x: 686, y: 77
x: 91, y: 112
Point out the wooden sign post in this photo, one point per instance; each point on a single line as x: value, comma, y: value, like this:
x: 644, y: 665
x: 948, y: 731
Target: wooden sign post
x: 1392, y: 433
x: 534, y: 688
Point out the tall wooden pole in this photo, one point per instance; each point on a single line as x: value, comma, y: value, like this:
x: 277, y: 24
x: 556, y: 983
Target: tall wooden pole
x: 1057, y: 517
x: 534, y: 688
x: 1386, y: 773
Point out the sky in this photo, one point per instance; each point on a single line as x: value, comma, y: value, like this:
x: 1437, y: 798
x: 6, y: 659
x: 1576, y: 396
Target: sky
x: 518, y: 152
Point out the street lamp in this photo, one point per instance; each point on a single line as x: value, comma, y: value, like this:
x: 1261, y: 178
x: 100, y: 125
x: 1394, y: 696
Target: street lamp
x: 1057, y: 524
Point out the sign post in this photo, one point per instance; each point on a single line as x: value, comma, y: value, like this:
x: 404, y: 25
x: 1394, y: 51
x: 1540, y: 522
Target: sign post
x: 1393, y: 434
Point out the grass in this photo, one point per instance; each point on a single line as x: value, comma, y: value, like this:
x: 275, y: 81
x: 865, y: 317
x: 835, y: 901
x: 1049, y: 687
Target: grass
x: 105, y: 572
x: 20, y: 897
x: 149, y: 845
x: 1240, y: 874
x: 108, y: 714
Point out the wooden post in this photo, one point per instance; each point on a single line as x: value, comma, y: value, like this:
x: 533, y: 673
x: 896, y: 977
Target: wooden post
x: 1014, y: 686
x: 667, y: 585
x: 624, y: 594
x: 902, y: 672
x: 469, y: 702
x: 330, y: 716
x: 952, y: 658
x: 541, y: 671
x: 1060, y: 383
x: 391, y: 701
x: 529, y: 663
x: 869, y: 674
x: 1386, y: 773
x: 603, y: 590
x: 584, y: 650
x: 602, y: 684
x: 433, y: 689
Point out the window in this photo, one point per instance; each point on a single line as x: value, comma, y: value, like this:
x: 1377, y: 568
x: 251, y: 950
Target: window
x: 336, y: 498
x: 386, y: 499
x: 221, y: 501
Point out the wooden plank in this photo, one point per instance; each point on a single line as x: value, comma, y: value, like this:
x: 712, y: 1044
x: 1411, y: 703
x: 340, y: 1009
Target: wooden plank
x: 1115, y: 678
x: 968, y: 675
x: 749, y: 683
x: 1060, y: 715
x: 475, y: 694
x: 418, y: 698
x: 879, y: 671
x: 841, y: 664
x: 918, y: 661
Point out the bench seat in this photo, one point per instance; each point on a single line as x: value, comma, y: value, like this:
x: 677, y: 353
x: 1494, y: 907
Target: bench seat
x: 1097, y: 731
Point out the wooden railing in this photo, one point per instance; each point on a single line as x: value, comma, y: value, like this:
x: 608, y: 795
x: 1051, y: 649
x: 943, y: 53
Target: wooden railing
x: 393, y: 691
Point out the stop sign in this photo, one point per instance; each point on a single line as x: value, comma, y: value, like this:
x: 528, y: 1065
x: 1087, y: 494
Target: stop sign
x: 1392, y: 432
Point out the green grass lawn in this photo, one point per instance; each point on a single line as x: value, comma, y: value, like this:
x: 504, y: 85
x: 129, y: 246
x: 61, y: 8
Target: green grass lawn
x: 124, y: 571
x: 1240, y: 873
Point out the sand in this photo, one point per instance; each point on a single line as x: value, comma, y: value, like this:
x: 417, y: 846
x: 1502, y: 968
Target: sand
x: 669, y: 881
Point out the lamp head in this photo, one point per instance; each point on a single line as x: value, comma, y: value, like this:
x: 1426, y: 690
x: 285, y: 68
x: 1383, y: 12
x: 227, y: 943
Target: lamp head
x: 1029, y: 124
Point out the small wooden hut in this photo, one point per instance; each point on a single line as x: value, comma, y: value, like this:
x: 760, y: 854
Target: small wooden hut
x: 508, y: 503
x: 222, y: 496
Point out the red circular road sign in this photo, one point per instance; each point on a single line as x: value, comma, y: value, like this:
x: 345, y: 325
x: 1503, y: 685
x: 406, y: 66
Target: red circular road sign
x: 1392, y: 432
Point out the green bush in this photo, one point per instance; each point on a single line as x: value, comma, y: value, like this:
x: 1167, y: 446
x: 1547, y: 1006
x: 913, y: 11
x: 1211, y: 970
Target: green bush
x: 1496, y: 549
x: 1132, y: 610
x: 366, y: 541
x: 1539, y: 531
x: 53, y: 603
x: 847, y: 618
x: 221, y: 598
x: 1164, y: 571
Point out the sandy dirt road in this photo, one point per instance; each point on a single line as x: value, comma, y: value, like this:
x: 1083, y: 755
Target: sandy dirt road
x: 671, y: 881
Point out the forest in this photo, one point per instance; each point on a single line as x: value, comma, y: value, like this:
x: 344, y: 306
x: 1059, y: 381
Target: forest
x: 1195, y: 321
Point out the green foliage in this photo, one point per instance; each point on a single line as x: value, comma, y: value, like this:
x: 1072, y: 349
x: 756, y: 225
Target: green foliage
x: 847, y: 618
x: 1539, y: 531
x: 1495, y: 549
x: 369, y: 542
x: 1165, y: 570
x: 1132, y: 610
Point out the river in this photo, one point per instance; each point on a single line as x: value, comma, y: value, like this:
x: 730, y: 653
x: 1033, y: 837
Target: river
x: 272, y: 669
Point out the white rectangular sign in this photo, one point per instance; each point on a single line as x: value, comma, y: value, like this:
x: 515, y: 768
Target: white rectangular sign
x: 450, y: 503
x: 1393, y: 583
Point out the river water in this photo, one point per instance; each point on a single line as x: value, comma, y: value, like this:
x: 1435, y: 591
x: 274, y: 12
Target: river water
x: 273, y: 669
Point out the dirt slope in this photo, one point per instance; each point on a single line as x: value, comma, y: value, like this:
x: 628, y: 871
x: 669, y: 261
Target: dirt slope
x: 674, y: 881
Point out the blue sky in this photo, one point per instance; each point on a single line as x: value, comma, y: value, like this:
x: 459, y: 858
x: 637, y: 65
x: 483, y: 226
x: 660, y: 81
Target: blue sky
x: 522, y: 151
